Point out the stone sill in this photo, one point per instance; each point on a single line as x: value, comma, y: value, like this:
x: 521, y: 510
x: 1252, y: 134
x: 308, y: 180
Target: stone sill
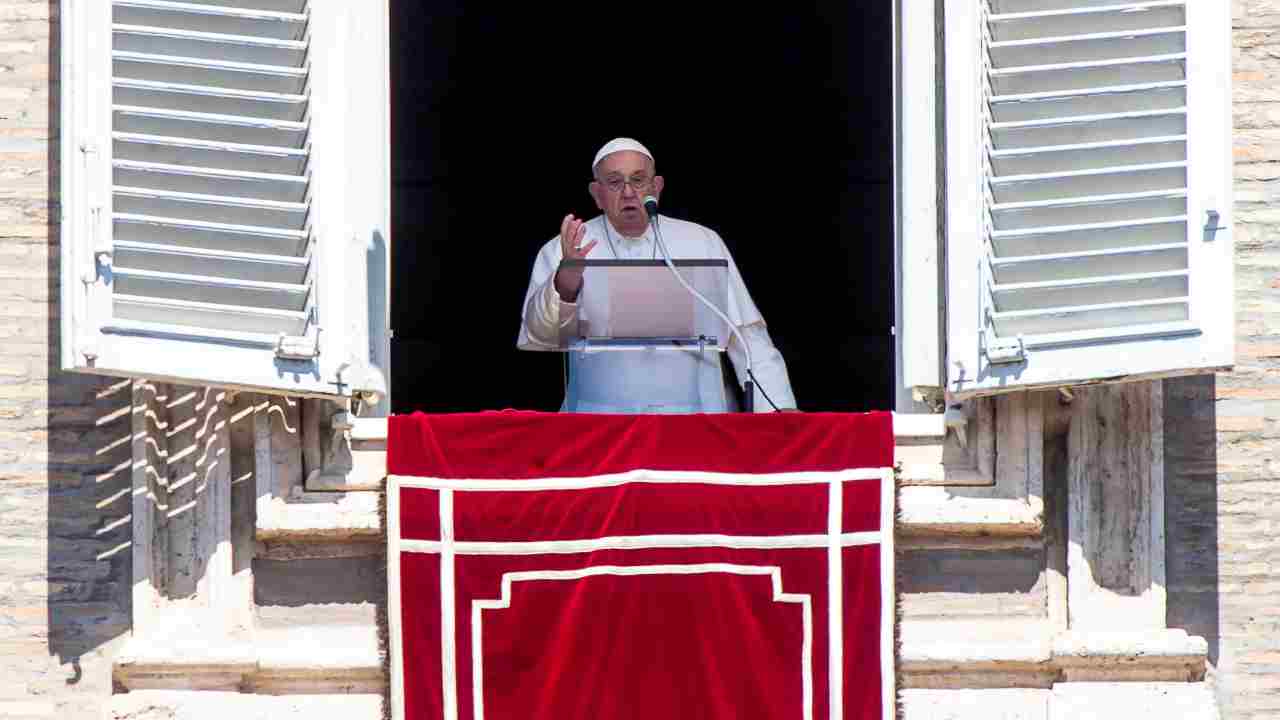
x: 1007, y: 654
x: 318, y: 517
x: 355, y: 517
x: 188, y: 705
x: 935, y: 511
x: 299, y: 660
x: 918, y: 452
x: 934, y: 654
x: 925, y: 508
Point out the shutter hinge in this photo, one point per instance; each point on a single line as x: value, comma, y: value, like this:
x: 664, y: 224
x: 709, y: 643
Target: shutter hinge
x: 365, y: 384
x: 1001, y: 351
x: 295, y: 347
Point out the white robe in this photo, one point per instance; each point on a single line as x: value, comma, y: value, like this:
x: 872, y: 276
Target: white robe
x: 653, y: 381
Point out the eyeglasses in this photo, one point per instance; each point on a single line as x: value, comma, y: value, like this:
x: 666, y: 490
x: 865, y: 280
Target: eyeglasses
x: 638, y: 184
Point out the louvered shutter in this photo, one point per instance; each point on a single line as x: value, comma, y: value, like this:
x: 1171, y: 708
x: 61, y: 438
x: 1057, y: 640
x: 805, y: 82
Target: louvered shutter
x: 1088, y: 191
x: 220, y: 210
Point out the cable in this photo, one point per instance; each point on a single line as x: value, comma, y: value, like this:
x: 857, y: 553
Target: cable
x: 666, y: 257
x: 760, y: 387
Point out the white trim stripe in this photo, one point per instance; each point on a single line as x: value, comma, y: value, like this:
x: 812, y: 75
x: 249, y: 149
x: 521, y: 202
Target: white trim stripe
x: 639, y: 476
x: 644, y: 542
x: 508, y: 579
x: 448, y: 614
x: 888, y: 613
x: 393, y: 602
x: 835, y: 599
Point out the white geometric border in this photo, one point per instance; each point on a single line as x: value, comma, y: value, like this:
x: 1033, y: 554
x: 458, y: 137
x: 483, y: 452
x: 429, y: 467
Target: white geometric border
x: 774, y: 573
x: 834, y: 540
x: 696, y: 477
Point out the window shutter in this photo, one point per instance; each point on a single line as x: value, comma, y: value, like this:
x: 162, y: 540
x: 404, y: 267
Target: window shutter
x: 206, y: 237
x: 1089, y: 197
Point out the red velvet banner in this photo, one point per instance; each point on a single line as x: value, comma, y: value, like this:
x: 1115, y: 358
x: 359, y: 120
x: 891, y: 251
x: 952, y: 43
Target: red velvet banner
x: 578, y: 567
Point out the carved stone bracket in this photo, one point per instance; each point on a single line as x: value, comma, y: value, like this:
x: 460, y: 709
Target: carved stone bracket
x: 340, y: 451
x: 993, y: 485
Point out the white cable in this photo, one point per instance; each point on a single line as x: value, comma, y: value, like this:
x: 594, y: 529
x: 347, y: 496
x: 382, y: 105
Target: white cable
x: 666, y: 257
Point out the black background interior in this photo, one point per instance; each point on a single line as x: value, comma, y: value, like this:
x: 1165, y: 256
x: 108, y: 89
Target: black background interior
x: 774, y: 128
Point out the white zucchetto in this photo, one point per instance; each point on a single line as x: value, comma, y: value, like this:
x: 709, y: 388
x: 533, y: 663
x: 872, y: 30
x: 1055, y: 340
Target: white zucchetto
x: 618, y: 145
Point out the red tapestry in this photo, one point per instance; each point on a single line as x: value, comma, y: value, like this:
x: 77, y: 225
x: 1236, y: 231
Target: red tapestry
x: 589, y: 567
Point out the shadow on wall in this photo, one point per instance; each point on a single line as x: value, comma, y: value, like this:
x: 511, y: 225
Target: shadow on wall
x: 86, y: 460
x: 1191, y: 507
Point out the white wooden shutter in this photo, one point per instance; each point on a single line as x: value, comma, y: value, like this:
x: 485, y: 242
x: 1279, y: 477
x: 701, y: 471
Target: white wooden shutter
x: 1088, y: 191
x: 219, y: 207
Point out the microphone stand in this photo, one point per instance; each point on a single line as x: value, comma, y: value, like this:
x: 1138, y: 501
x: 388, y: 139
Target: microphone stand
x: 651, y: 209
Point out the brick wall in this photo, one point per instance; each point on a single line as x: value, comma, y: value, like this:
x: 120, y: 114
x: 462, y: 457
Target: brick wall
x: 64, y: 450
x: 1223, y: 433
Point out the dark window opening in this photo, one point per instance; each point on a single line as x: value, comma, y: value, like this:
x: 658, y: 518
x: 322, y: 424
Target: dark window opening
x: 772, y: 128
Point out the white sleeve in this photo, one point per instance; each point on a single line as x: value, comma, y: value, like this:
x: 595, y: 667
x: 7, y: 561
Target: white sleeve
x: 769, y: 368
x: 544, y: 314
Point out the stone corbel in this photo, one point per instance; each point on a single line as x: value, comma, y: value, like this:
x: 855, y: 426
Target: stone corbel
x: 288, y: 454
x: 341, y: 452
x: 991, y: 484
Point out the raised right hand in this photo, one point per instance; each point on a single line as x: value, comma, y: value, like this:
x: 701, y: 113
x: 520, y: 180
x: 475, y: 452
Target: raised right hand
x: 572, y: 233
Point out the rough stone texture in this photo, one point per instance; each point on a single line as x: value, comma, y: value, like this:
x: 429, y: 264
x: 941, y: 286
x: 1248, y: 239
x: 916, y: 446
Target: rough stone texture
x: 1012, y: 704
x: 974, y: 584
x: 1131, y: 701
x: 64, y: 439
x: 174, y: 705
x: 1221, y: 434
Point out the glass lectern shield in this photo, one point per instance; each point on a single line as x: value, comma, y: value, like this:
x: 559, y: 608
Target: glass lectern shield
x: 640, y: 342
x: 641, y: 304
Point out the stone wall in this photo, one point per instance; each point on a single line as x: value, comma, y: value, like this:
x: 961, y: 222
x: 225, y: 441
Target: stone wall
x: 64, y: 439
x: 1222, y: 434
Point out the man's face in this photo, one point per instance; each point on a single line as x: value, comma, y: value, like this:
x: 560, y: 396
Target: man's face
x: 623, y: 179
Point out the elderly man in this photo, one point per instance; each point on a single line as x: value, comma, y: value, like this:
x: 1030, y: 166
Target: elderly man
x: 639, y: 381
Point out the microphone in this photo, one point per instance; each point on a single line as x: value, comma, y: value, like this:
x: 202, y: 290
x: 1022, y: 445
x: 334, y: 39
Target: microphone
x: 651, y: 206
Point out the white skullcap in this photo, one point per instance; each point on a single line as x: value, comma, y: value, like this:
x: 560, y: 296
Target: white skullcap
x: 618, y: 145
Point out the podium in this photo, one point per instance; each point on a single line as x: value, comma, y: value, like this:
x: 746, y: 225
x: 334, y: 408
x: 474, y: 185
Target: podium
x: 640, y: 342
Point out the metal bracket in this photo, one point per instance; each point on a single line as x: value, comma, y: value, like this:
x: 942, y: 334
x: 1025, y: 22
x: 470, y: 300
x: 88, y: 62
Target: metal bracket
x: 294, y: 347
x: 1004, y: 350
x: 1212, y: 224
x: 99, y: 249
x: 364, y: 384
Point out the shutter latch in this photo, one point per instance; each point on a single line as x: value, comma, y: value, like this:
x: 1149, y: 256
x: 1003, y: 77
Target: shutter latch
x: 295, y: 347
x: 1004, y: 350
x: 1212, y: 225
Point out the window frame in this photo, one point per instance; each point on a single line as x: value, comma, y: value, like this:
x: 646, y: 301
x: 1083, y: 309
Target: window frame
x: 919, y: 301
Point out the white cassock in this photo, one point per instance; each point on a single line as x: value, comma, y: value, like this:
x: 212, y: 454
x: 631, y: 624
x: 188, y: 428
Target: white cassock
x: 653, y: 381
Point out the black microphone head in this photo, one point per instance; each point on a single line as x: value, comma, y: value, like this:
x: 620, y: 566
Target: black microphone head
x: 651, y: 206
